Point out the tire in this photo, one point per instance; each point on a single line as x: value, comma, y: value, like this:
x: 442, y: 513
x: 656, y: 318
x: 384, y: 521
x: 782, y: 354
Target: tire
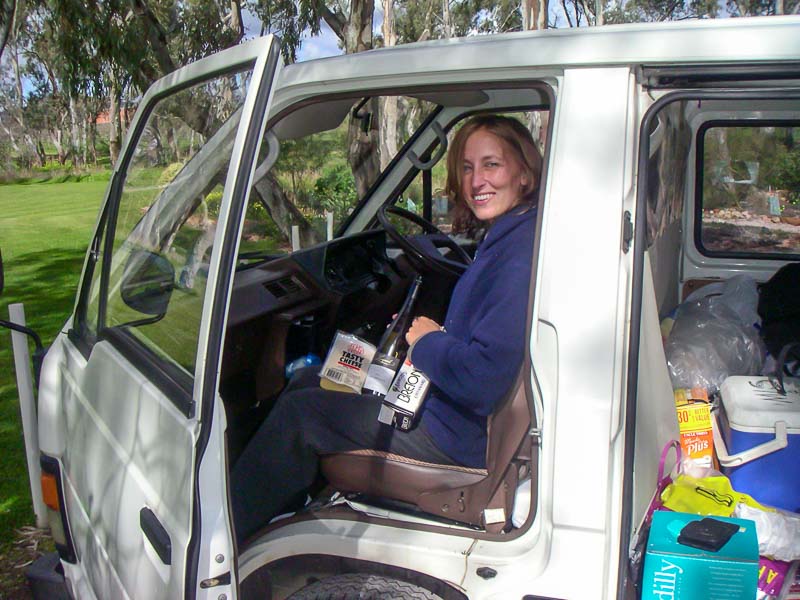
x: 357, y: 586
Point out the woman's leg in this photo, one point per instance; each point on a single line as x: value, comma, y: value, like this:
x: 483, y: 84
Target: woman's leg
x: 282, y: 459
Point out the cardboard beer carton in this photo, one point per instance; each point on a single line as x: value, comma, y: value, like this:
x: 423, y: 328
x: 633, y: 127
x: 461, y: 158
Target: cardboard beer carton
x: 404, y: 398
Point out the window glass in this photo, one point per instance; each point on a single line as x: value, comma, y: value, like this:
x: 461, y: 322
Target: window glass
x: 87, y: 317
x: 167, y: 217
x: 441, y: 208
x: 750, y: 197
x: 329, y: 154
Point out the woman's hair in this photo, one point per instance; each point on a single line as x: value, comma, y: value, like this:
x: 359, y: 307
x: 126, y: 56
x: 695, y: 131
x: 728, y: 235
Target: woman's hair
x: 517, y: 139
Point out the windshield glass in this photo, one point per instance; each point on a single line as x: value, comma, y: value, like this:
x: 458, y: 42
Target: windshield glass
x: 334, y: 162
x: 329, y: 154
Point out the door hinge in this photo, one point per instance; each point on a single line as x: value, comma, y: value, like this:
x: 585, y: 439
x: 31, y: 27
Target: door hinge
x: 627, y: 231
x: 224, y: 579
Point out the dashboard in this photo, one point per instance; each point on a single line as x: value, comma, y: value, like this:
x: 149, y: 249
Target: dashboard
x: 323, y: 273
x: 286, y: 306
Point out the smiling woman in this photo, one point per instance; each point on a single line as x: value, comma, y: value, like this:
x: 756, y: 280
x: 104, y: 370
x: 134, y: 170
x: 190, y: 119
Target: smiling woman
x: 493, y: 166
x: 472, y: 361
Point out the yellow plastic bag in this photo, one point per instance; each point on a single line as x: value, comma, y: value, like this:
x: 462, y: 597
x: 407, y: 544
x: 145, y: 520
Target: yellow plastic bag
x: 705, y: 496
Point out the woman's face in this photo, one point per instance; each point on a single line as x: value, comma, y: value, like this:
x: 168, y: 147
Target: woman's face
x: 492, y: 178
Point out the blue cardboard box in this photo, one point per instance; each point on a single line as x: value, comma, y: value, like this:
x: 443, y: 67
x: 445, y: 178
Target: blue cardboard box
x: 674, y: 571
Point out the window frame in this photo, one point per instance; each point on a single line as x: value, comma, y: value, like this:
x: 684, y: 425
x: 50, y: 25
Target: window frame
x: 698, y: 188
x: 174, y: 382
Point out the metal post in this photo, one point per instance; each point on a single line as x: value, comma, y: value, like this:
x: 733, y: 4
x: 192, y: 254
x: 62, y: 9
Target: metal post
x: 295, y: 238
x: 329, y: 225
x: 27, y: 407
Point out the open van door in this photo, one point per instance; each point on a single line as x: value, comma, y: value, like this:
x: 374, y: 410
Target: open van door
x: 130, y: 384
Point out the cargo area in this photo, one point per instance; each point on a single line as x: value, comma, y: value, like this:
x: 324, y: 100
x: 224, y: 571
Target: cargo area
x: 717, y: 369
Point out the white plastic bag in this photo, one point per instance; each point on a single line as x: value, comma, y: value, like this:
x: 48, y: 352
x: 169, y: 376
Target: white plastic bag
x: 739, y: 293
x: 778, y: 532
x: 709, y: 342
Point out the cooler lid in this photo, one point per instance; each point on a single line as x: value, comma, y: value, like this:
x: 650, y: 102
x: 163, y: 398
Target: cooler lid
x: 753, y: 404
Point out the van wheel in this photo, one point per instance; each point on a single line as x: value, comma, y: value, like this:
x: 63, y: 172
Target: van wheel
x: 357, y: 586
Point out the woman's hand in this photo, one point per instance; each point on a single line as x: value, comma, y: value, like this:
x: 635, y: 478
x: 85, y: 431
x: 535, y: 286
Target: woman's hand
x: 419, y: 327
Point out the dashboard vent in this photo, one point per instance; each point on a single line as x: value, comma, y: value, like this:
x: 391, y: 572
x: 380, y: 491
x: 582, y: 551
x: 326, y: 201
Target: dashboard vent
x: 283, y: 287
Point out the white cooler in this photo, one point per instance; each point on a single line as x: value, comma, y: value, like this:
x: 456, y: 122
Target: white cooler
x: 757, y: 439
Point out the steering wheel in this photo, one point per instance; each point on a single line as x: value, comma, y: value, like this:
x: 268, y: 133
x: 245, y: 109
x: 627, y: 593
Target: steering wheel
x: 423, y: 251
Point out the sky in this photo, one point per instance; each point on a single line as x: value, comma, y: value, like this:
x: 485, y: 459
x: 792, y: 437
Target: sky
x: 319, y: 46
x: 313, y: 46
x: 327, y: 44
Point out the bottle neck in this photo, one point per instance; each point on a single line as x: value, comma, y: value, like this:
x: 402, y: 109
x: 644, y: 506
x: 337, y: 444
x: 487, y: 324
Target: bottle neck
x: 393, y: 340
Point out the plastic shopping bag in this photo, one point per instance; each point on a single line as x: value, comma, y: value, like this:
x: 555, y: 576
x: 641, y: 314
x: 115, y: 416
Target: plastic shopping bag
x: 664, y: 479
x: 639, y: 539
x: 712, y: 495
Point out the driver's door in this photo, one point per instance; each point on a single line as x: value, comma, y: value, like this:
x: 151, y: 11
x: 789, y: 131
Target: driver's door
x: 138, y: 432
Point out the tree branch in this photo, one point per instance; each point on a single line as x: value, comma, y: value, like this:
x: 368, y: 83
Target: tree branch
x: 8, y: 10
x: 335, y: 20
x: 156, y: 35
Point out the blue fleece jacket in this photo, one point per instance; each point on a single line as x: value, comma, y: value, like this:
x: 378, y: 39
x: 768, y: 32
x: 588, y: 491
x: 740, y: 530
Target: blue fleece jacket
x: 473, y: 365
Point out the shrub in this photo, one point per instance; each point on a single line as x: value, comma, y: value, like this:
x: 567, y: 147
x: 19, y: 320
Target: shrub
x: 213, y: 201
x: 335, y: 191
x: 169, y: 173
x: 783, y: 173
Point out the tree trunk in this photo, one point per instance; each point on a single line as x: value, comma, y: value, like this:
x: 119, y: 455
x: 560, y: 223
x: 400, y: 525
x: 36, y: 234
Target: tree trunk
x: 156, y: 133
x: 57, y: 137
x: 93, y: 137
x: 363, y: 146
x: 41, y: 156
x: 8, y: 9
x: 388, y: 112
x: 19, y: 105
x: 724, y: 160
x: 283, y: 212
x: 74, y: 132
x: 447, y: 21
x: 566, y: 13
x: 84, y: 142
x: 538, y: 128
x: 534, y: 14
x: 173, y: 144
x: 235, y: 22
x: 114, y: 144
x: 586, y: 12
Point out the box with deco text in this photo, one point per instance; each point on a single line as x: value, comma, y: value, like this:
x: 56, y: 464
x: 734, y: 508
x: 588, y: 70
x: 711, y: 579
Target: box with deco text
x: 675, y: 571
x: 694, y: 422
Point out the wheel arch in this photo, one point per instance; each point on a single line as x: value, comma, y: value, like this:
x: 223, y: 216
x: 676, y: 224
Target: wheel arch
x: 291, y: 573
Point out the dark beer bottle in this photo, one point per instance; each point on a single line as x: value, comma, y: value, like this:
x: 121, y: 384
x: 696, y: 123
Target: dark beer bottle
x: 392, y: 347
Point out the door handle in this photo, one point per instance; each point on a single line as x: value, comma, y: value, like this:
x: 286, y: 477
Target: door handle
x: 157, y: 535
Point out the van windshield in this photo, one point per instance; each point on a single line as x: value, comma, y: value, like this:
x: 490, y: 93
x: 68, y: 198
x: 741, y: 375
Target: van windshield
x: 329, y: 155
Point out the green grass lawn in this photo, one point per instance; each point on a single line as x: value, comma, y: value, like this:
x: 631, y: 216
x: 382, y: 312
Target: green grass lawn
x: 44, y: 231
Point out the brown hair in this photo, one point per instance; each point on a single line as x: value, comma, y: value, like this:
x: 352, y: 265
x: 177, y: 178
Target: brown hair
x: 515, y: 137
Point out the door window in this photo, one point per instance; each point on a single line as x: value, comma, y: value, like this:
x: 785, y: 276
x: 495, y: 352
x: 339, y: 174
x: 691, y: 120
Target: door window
x: 165, y: 221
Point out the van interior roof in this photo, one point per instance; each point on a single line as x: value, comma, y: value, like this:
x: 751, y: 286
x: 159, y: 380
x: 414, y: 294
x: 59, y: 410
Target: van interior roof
x: 329, y: 114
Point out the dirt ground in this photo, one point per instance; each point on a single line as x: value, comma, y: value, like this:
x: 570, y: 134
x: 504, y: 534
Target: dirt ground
x: 30, y: 544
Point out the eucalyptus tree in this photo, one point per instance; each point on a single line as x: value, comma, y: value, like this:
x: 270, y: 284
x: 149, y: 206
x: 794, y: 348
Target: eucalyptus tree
x: 7, y: 10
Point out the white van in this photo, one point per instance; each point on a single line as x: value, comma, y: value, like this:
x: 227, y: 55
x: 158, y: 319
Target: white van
x: 189, y: 310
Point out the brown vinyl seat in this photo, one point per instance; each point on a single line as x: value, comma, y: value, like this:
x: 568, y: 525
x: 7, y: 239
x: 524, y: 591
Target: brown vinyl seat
x: 479, y: 497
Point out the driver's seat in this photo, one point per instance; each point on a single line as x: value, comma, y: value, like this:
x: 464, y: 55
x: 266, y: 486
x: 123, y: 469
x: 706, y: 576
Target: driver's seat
x: 479, y: 497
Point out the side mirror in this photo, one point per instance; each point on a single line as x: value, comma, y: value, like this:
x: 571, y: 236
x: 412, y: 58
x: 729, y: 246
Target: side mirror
x: 147, y: 283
